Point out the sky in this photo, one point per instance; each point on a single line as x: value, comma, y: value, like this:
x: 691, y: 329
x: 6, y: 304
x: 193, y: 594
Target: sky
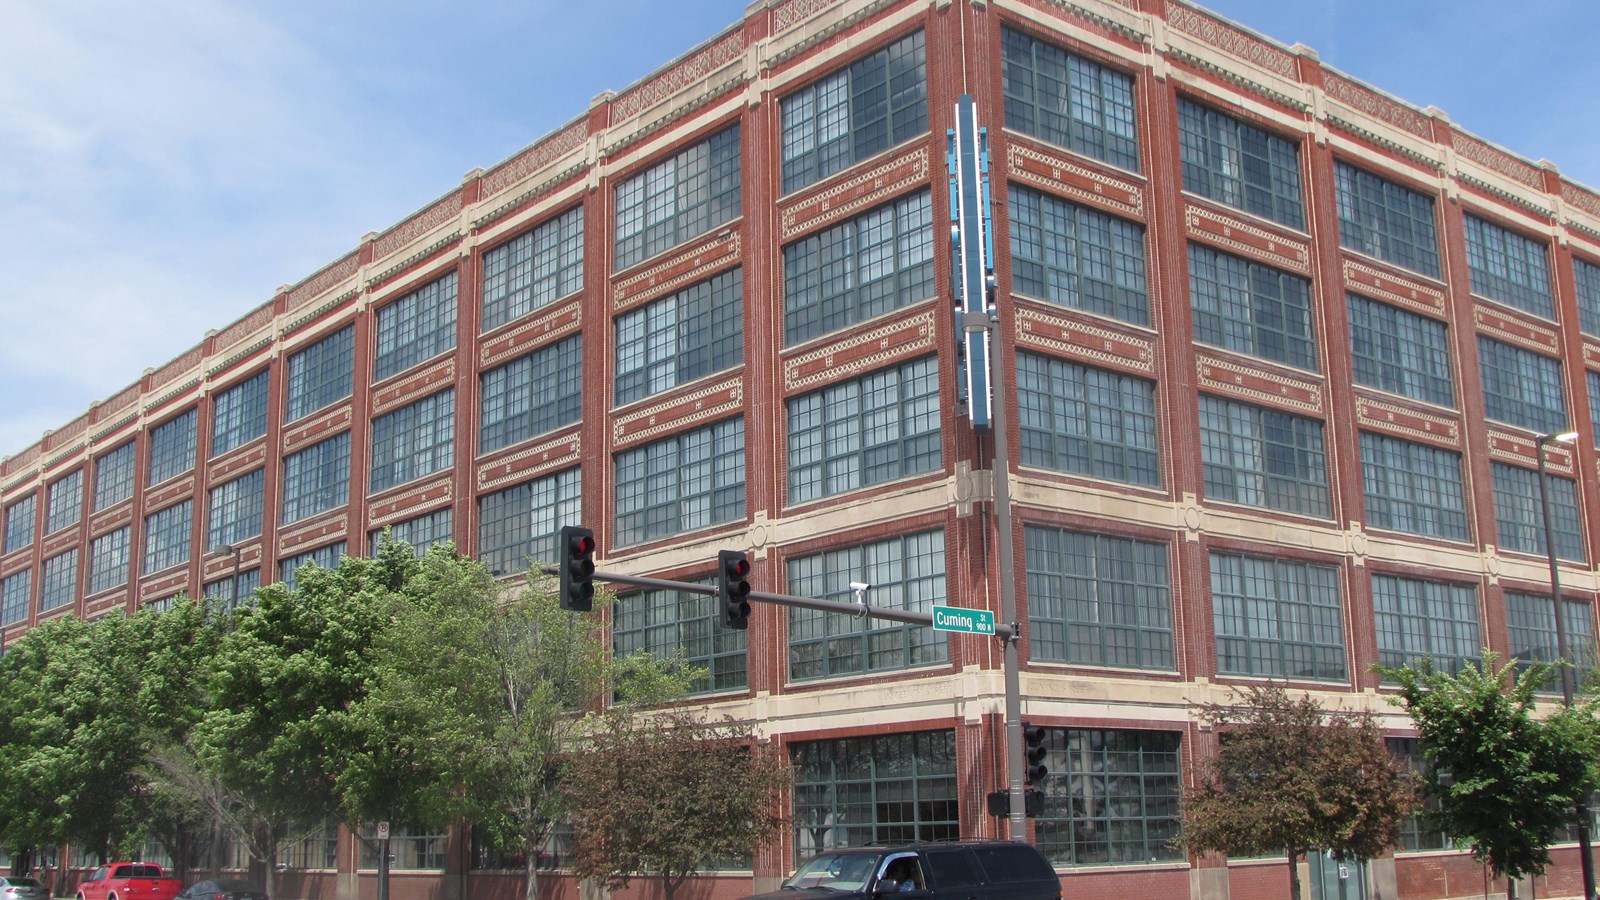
x: 166, y: 165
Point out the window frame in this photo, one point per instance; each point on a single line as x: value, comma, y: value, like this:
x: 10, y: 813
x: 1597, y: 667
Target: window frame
x: 1491, y: 247
x: 512, y: 407
x: 299, y: 501
x: 1223, y: 143
x: 1286, y: 578
x: 412, y: 441
x: 1354, y: 196
x: 1117, y: 443
x: 417, y: 327
x: 1075, y: 133
x: 651, y: 215
x: 1224, y: 452
x: 657, y: 503
x: 519, y: 261
x: 836, y: 442
x: 1070, y: 269
x: 239, y: 413
x: 1231, y: 310
x: 1111, y: 596
x: 687, y: 335
x: 1399, y: 351
x: 1406, y: 488
x: 315, y: 379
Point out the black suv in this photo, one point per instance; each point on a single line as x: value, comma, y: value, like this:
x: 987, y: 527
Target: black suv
x: 968, y: 870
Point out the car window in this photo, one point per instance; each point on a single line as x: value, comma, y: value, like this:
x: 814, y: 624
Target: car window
x: 235, y: 886
x: 202, y: 887
x: 1013, y: 862
x: 952, y: 868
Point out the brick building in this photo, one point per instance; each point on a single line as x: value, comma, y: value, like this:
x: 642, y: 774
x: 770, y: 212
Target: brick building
x: 1282, y: 349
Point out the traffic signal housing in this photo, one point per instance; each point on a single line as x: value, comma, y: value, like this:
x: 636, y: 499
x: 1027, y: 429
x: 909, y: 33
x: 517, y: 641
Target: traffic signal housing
x: 733, y: 588
x: 577, y: 568
x: 1033, y: 753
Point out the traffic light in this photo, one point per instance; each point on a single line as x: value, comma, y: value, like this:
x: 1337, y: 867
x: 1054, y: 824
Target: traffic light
x: 1034, y: 770
x: 733, y: 588
x: 577, y: 568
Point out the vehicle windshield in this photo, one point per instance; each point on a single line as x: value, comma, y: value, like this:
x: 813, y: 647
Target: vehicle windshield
x: 17, y: 881
x: 835, y: 872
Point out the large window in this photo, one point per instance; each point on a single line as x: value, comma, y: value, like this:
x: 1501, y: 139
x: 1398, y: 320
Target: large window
x: 678, y: 198
x: 1531, y: 628
x: 108, y: 560
x: 1508, y: 267
x: 533, y: 269
x: 1069, y: 100
x: 688, y: 335
x: 1519, y: 516
x: 322, y: 374
x: 1413, y: 487
x: 905, y: 573
x: 855, y: 113
x: 1417, y: 618
x: 1111, y: 797
x: 521, y: 525
x: 323, y: 557
x: 419, y: 534
x: 235, y: 510
x: 1521, y: 387
x: 1420, y: 830
x: 687, y: 481
x: 15, y: 592
x: 19, y: 523
x: 1098, y: 600
x: 65, y: 502
x: 1087, y: 421
x: 1077, y: 256
x: 1587, y: 277
x: 417, y: 327
x: 1276, y: 617
x: 1383, y: 219
x: 667, y: 623
x: 1400, y: 352
x: 1239, y: 164
x: 1251, y: 308
x: 171, y: 448
x: 113, y: 476
x: 59, y: 586
x: 422, y: 848
x: 239, y: 414
x: 166, y: 537
x: 873, y: 429
x: 883, y: 789
x: 316, y: 479
x: 1263, y: 457
x: 532, y: 394
x: 415, y: 440
x: 864, y: 267
x: 230, y: 595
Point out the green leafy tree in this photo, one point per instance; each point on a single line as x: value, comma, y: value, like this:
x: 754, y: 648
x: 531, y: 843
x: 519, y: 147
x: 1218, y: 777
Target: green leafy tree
x: 1515, y: 779
x: 1288, y: 777
x: 668, y: 794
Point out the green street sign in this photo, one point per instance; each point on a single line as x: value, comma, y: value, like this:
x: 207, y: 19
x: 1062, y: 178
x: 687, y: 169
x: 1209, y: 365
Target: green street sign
x: 956, y: 618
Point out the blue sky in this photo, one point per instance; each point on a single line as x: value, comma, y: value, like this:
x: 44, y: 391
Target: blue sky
x: 166, y: 165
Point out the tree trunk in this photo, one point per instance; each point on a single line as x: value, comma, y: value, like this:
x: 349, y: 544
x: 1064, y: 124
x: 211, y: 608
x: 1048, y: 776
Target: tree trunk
x: 1294, y: 874
x: 530, y: 872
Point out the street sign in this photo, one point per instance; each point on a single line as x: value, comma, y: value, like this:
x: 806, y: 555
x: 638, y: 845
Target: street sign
x: 383, y: 831
x: 956, y: 618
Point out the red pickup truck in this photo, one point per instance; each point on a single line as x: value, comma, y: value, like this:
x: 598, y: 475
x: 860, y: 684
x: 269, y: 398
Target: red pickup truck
x: 129, y: 881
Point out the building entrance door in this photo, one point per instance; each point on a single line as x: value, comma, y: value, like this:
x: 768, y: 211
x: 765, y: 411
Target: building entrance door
x: 1337, y: 879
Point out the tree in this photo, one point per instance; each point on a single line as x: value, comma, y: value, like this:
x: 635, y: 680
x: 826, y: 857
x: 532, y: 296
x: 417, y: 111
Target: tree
x: 1514, y: 779
x: 669, y: 794
x: 1288, y: 778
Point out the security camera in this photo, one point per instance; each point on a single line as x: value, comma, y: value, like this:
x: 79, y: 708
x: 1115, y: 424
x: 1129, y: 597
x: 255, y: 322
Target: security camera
x: 859, y: 586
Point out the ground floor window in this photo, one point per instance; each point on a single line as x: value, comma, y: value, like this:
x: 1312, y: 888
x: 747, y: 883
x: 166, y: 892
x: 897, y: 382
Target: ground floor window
x: 879, y: 789
x: 555, y: 853
x: 415, y: 847
x: 1111, y: 797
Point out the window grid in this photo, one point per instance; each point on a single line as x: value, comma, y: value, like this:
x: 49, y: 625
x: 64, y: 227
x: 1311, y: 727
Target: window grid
x: 873, y: 429
x: 1098, y: 600
x: 1508, y: 267
x: 665, y: 623
x: 325, y: 557
x: 415, y: 440
x: 316, y: 479
x: 1587, y: 277
x: 1111, y: 797
x: 1419, y: 830
x: 1400, y: 352
x: 420, y: 533
x: 521, y: 525
x: 234, y: 511
x: 416, y: 328
x: 166, y: 537
x: 108, y: 560
x: 65, y: 503
x: 1087, y: 421
x: 878, y: 261
x: 1593, y: 378
x: 678, y: 198
x: 322, y: 374
x: 1417, y: 618
x: 1383, y: 219
x: 881, y: 789
x: 1238, y: 164
x: 1521, y: 387
x: 855, y: 113
x: 1263, y: 457
x: 20, y: 523
x: 113, y: 476
x: 1077, y: 257
x: 222, y: 589
x: 1413, y: 487
x: 171, y: 448
x: 685, y: 482
x: 419, y: 848
x: 239, y: 414
x: 687, y: 335
x: 906, y: 573
x: 1531, y: 628
x: 16, y: 591
x: 534, y: 269
x: 1069, y: 100
x: 1277, y: 618
x: 531, y: 395
x: 1250, y: 308
x: 58, y: 585
x: 1519, y: 516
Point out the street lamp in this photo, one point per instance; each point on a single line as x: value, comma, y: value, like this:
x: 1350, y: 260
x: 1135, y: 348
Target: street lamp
x: 1565, y: 437
x: 233, y: 591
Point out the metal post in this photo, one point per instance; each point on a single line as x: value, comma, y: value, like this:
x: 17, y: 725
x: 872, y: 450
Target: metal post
x: 1585, y: 862
x: 1008, y: 591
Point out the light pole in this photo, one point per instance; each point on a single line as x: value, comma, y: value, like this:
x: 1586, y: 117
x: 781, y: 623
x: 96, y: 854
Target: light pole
x: 233, y: 590
x: 1585, y: 863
